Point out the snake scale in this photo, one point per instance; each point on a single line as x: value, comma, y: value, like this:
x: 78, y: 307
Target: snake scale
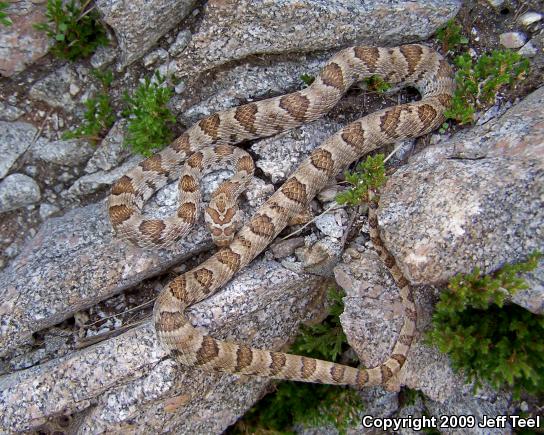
x: 208, y: 142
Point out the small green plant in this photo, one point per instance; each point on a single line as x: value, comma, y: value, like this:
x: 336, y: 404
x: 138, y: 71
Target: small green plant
x: 99, y: 116
x: 409, y: 396
x: 451, y: 36
x: 479, y: 81
x: 307, y: 79
x: 105, y: 77
x: 74, y: 27
x: 4, y: 19
x: 98, y: 119
x: 149, y: 118
x: 489, y: 341
x: 369, y: 174
x: 377, y: 84
x: 325, y: 340
x: 311, y: 405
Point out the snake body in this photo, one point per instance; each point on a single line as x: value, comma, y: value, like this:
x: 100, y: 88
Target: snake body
x: 412, y: 65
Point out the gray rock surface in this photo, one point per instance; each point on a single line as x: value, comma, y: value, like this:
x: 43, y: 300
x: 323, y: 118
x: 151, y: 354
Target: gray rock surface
x: 20, y: 43
x: 15, y: 138
x: 280, y: 155
x: 126, y: 382
x: 371, y: 327
x: 182, y: 39
x: 458, y: 214
x: 9, y: 112
x: 103, y: 56
x: 476, y: 200
x: 72, y: 152
x: 16, y: 191
x: 97, y: 180
x: 54, y: 89
x: 139, y: 24
x: 111, y: 152
x: 233, y: 30
x: 532, y: 298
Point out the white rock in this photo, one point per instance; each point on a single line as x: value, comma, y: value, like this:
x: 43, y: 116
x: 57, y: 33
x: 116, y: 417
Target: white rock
x: 180, y: 88
x: 529, y: 18
x: 528, y: 50
x: 47, y: 210
x: 513, y: 39
x: 15, y: 138
x: 62, y: 152
x: 74, y: 89
x: 10, y: 113
x: 332, y: 224
x: 181, y: 42
x: 154, y: 56
x: 16, y: 191
x: 103, y: 56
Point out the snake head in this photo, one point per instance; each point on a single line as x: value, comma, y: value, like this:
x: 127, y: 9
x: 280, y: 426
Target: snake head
x: 223, y: 218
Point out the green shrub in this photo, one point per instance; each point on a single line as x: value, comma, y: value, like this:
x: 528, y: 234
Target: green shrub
x: 74, y: 27
x: 451, y: 36
x: 4, y: 19
x: 369, y: 174
x: 478, y: 82
x: 311, y: 405
x: 99, y: 116
x: 502, y: 345
x: 149, y: 119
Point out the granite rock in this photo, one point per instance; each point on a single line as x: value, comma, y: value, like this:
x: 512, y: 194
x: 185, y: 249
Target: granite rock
x: 139, y: 24
x: 15, y: 138
x: 20, y: 43
x: 233, y: 30
x: 16, y: 191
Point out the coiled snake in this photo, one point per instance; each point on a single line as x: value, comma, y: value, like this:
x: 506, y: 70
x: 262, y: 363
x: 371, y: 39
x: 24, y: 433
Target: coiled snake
x: 207, y: 143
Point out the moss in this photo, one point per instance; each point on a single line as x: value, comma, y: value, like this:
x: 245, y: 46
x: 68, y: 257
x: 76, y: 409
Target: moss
x: 377, y: 84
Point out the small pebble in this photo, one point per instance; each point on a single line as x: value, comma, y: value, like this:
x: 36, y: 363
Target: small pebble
x: 496, y: 3
x: 529, y: 18
x: 154, y: 56
x: 74, y: 89
x: 528, y: 50
x: 180, y: 88
x: 182, y: 40
x: 513, y: 39
x: 47, y: 210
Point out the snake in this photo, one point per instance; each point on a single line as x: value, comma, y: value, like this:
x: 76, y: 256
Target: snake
x: 210, y: 141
